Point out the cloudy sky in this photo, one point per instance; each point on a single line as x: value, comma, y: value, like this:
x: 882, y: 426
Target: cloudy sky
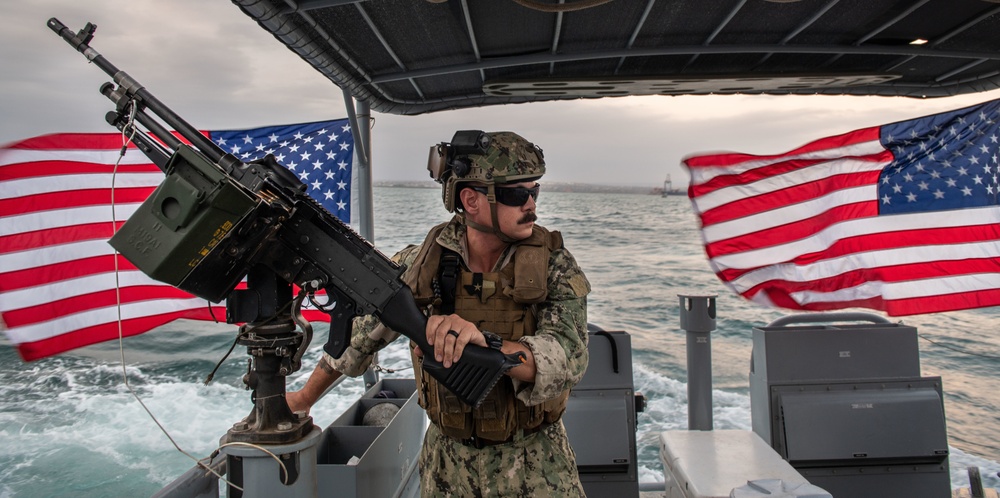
x: 219, y: 70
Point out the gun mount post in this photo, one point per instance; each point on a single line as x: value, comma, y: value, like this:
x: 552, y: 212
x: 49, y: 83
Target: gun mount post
x: 272, y: 341
x: 698, y: 320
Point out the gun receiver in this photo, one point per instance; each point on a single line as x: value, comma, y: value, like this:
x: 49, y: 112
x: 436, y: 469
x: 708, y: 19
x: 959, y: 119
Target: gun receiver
x: 214, y: 220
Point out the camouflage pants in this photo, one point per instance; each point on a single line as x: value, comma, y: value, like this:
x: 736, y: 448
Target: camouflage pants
x: 539, y: 465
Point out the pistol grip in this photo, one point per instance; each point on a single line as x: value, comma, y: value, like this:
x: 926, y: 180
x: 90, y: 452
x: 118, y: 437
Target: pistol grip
x: 341, y: 322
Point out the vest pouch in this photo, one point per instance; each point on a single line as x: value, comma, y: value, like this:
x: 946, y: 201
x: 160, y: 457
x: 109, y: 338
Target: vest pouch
x: 531, y: 270
x: 494, y: 418
x: 453, y: 416
x: 418, y: 370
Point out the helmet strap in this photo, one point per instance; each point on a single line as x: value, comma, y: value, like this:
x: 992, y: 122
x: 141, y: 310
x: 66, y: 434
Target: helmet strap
x: 495, y: 229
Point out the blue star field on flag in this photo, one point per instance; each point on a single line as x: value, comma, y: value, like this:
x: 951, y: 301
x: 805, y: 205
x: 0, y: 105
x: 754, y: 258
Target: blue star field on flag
x: 320, y: 154
x: 942, y: 162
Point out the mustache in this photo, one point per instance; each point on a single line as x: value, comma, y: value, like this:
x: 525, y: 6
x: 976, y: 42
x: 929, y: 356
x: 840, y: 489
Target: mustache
x: 528, y: 217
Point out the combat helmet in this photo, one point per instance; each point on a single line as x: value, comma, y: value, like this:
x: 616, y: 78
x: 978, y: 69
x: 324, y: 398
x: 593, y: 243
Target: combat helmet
x: 474, y: 157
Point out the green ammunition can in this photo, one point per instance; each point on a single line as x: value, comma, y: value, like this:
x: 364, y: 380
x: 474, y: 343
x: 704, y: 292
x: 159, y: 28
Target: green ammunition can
x: 184, y: 220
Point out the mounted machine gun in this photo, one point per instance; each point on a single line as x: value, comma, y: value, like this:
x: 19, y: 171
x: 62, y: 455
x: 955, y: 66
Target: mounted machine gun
x: 215, y: 220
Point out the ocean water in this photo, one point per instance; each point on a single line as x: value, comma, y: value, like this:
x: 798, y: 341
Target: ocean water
x: 69, y: 426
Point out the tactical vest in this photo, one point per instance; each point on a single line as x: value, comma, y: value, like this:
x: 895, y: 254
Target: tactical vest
x: 501, y: 303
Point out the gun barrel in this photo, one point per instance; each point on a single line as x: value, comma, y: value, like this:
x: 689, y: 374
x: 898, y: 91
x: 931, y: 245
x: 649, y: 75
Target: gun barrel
x: 133, y: 90
x: 79, y: 41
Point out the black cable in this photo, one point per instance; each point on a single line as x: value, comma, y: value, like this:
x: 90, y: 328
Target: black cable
x: 211, y: 312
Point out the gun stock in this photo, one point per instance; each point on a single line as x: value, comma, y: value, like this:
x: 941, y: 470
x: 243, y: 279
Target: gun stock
x: 214, y: 218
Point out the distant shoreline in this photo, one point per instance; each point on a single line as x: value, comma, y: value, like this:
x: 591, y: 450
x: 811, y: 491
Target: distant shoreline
x: 552, y: 187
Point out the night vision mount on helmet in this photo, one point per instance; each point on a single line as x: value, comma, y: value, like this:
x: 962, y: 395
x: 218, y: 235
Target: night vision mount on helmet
x: 475, y: 158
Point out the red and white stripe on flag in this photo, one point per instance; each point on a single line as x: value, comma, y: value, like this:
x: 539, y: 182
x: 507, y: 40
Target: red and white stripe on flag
x: 901, y: 218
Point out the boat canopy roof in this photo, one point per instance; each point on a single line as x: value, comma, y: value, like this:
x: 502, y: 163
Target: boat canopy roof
x: 419, y: 56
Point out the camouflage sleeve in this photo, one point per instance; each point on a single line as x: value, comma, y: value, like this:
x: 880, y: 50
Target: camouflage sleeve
x: 368, y: 335
x: 560, y: 344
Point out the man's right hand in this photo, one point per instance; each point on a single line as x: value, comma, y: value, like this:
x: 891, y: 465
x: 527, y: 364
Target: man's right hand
x: 449, y: 334
x: 322, y: 377
x: 297, y: 402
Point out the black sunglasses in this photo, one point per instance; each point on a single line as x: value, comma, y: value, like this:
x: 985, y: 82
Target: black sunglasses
x: 512, y: 196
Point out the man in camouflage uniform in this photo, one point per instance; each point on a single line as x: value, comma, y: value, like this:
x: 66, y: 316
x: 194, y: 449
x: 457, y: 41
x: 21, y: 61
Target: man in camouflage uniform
x: 492, y: 278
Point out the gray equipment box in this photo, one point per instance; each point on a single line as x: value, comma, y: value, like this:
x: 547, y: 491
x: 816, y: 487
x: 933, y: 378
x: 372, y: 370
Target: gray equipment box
x: 846, y: 406
x: 600, y: 419
x: 358, y: 460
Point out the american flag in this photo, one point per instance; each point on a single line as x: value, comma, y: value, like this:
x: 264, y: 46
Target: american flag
x: 901, y: 218
x: 58, y: 286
